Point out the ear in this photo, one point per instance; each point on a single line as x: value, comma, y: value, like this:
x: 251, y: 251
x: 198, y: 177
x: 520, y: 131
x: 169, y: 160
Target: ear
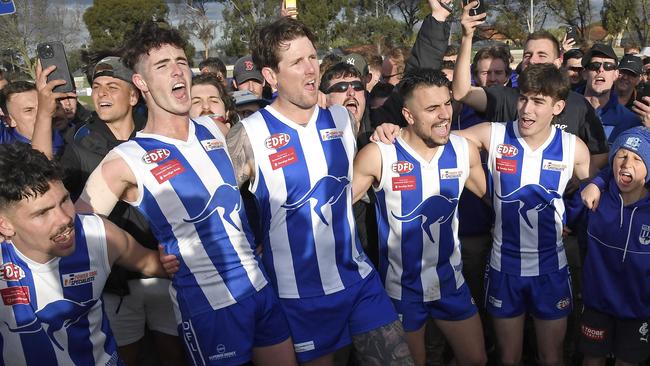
x: 139, y: 82
x: 558, y: 107
x: 10, y: 121
x: 270, y: 77
x: 558, y: 62
x: 6, y: 228
x: 133, y: 96
x: 408, y: 115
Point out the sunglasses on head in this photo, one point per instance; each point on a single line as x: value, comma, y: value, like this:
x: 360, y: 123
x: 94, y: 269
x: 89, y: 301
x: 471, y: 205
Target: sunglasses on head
x: 343, y: 86
x: 595, y: 66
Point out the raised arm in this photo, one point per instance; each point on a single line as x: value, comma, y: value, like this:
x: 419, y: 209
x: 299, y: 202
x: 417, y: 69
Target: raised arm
x: 431, y: 42
x: 241, y: 154
x: 367, y: 170
x: 128, y: 253
x: 462, y: 88
x: 110, y: 182
x: 476, y: 182
x: 47, y: 103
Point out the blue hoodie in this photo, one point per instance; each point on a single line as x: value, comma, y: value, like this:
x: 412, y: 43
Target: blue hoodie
x: 616, y: 274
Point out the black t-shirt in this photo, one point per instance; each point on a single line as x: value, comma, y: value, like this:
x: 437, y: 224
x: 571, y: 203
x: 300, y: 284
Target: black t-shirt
x: 578, y: 116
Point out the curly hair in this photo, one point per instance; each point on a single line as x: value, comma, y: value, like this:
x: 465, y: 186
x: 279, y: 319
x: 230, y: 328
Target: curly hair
x: 25, y: 173
x: 150, y: 35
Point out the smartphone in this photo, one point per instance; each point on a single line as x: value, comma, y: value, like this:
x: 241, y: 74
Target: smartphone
x: 571, y: 33
x: 290, y: 4
x: 53, y: 53
x: 292, y: 8
x: 478, y: 9
x: 447, y: 6
x: 7, y: 7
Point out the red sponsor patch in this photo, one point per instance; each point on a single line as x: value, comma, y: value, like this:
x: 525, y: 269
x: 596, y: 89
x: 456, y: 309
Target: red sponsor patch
x: 15, y: 295
x: 155, y: 156
x: 11, y: 272
x: 507, y: 150
x: 277, y: 141
x: 593, y: 333
x: 283, y: 158
x: 167, y: 171
x: 507, y: 166
x: 402, y: 167
x: 407, y: 183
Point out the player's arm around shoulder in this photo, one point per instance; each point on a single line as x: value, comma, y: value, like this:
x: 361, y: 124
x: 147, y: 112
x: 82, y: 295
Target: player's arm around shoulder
x: 111, y: 181
x: 126, y: 252
x: 241, y: 153
x: 479, y: 135
x: 581, y: 161
x: 367, y: 170
x: 476, y: 182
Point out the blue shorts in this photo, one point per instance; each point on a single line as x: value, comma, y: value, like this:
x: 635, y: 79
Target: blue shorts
x: 546, y: 296
x: 321, y: 325
x: 456, y: 306
x: 227, y: 336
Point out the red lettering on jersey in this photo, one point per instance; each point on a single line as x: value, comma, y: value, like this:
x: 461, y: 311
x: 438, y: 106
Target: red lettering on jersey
x: 167, y: 171
x: 283, y: 158
x: 407, y: 183
x: 11, y: 272
x: 507, y: 166
x: 15, y: 295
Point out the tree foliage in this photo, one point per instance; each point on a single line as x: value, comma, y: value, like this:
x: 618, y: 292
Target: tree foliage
x: 577, y: 13
x: 632, y: 16
x: 110, y: 21
x: 195, y: 21
x: 36, y: 21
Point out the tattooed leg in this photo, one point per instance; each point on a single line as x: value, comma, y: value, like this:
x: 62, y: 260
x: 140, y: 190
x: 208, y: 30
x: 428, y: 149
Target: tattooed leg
x: 383, y: 346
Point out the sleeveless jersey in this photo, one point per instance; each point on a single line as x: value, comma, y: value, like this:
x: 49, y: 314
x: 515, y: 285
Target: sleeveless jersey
x: 188, y: 192
x: 417, y: 220
x: 527, y: 195
x: 302, y: 186
x: 52, y: 313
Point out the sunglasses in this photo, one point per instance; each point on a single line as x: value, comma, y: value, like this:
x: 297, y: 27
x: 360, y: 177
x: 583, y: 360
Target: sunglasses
x: 575, y: 68
x: 343, y: 86
x: 595, y: 66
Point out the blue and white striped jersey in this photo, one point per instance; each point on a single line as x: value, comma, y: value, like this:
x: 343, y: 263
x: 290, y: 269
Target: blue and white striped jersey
x: 189, y: 194
x: 52, y: 313
x: 527, y: 195
x: 302, y: 186
x: 417, y: 220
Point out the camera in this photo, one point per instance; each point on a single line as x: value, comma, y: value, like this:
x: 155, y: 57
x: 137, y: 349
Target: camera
x: 45, y: 51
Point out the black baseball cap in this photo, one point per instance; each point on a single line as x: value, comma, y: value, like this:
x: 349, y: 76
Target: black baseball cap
x: 631, y: 63
x: 112, y: 66
x: 599, y: 49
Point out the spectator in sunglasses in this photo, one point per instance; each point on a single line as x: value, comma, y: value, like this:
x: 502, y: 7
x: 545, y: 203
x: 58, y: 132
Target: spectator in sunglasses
x: 572, y: 63
x: 342, y: 85
x: 601, y: 70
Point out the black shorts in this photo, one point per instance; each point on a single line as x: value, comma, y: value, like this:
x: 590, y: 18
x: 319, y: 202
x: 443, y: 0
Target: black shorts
x: 602, y: 334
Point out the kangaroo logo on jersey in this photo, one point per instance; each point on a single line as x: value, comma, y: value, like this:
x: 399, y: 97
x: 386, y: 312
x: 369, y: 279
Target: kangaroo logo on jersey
x: 531, y: 197
x: 435, y: 209
x: 155, y: 156
x: 277, y: 141
x: 507, y: 150
x: 55, y: 316
x: 644, y: 236
x: 402, y: 167
x: 11, y: 272
x: 226, y: 197
x: 326, y: 191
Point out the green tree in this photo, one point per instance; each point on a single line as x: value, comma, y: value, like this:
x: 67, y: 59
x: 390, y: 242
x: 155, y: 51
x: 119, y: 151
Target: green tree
x: 633, y: 16
x: 36, y: 21
x: 240, y: 19
x: 196, y: 23
x: 577, y: 13
x: 109, y: 21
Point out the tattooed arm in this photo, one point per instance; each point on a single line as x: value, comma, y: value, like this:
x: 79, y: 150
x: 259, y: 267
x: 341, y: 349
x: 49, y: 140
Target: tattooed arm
x: 383, y: 346
x: 241, y: 154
